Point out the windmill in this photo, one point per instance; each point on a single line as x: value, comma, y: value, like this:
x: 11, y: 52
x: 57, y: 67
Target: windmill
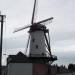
x: 40, y: 57
x: 38, y: 39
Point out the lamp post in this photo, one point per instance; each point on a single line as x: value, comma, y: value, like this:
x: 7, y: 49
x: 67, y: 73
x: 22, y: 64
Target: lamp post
x: 1, y: 38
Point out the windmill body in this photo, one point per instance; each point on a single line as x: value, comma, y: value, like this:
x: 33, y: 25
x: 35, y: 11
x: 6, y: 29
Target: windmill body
x: 37, y: 44
x: 37, y: 41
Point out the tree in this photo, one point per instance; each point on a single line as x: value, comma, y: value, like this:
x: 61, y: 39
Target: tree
x: 71, y: 67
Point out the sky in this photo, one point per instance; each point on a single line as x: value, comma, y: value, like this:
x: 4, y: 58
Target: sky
x: 62, y: 29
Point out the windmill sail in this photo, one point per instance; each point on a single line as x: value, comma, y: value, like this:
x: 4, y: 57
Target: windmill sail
x: 45, y: 22
x: 34, y: 12
x: 21, y: 28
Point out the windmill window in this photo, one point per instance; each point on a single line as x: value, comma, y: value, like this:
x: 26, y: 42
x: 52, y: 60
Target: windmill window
x: 33, y: 40
x: 36, y: 46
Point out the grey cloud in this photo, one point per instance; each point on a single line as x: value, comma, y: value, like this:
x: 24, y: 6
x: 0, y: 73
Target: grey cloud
x: 18, y: 42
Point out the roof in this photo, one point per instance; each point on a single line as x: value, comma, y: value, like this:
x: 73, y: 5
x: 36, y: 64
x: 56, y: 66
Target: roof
x: 21, y: 58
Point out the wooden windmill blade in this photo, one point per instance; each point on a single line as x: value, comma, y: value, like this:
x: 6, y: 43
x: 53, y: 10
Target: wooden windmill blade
x: 21, y: 28
x: 46, y: 21
x: 34, y: 14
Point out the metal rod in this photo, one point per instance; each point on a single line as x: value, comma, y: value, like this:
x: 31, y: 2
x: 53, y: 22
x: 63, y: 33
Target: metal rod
x: 1, y: 39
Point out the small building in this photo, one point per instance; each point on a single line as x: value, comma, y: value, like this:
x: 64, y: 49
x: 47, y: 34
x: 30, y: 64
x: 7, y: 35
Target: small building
x: 20, y: 64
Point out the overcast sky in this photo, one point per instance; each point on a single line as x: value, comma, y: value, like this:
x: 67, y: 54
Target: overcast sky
x: 62, y: 29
